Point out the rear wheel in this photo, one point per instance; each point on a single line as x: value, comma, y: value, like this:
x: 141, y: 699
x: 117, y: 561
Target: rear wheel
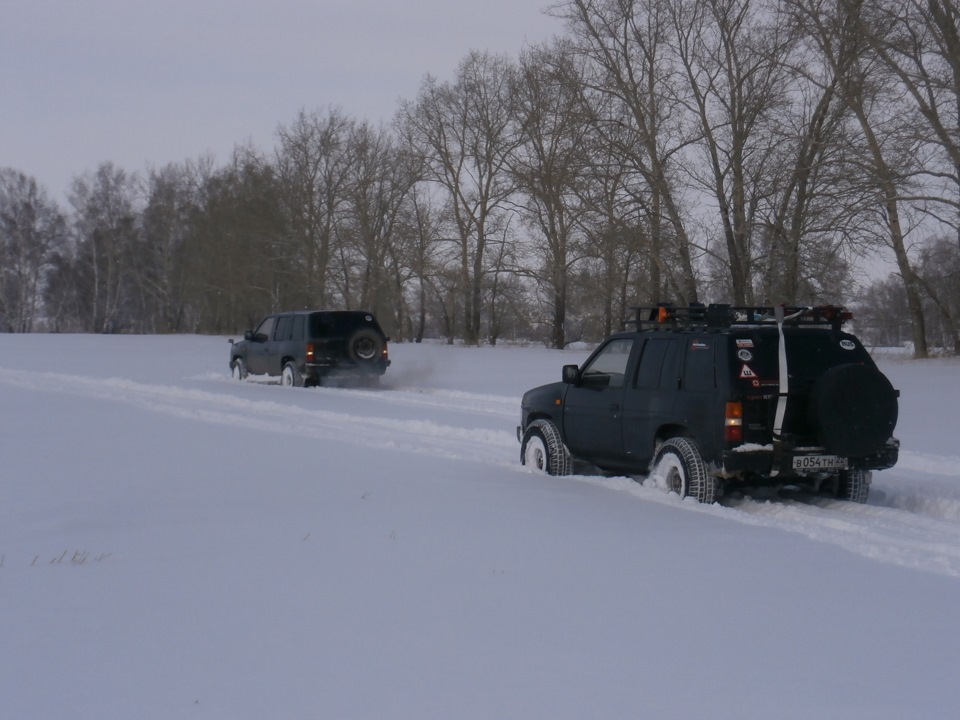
x: 543, y: 449
x: 854, y: 485
x: 680, y: 468
x: 291, y: 377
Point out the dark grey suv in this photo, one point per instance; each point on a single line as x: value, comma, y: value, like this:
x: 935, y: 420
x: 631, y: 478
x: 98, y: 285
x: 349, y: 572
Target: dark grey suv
x: 709, y: 399
x: 307, y: 347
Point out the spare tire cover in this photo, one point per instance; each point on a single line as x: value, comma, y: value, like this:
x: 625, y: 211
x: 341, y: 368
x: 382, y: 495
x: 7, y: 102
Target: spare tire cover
x: 854, y: 410
x: 365, y: 346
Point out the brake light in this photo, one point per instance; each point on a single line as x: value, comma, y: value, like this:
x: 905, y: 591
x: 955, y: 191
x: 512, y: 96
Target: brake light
x: 310, y: 353
x: 733, y: 422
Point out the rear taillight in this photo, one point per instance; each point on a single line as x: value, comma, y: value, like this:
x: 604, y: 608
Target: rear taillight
x: 384, y: 353
x: 733, y: 422
x: 310, y: 353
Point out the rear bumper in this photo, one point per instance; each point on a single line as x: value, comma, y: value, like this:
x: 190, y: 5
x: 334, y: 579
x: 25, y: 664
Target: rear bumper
x: 324, y: 367
x: 765, y: 461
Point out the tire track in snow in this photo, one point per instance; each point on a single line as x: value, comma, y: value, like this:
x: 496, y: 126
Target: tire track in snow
x: 460, y: 401
x: 409, y: 435
x: 888, y: 534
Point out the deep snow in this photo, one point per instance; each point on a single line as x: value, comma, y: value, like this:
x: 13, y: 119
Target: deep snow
x: 174, y: 544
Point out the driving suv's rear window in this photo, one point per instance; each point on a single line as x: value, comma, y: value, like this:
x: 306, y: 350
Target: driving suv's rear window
x: 809, y: 355
x: 339, y: 324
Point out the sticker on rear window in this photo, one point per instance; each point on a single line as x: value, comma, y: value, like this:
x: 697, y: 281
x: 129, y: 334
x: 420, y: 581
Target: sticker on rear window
x: 745, y: 355
x: 699, y: 345
x: 745, y: 343
x: 746, y: 372
x: 848, y: 345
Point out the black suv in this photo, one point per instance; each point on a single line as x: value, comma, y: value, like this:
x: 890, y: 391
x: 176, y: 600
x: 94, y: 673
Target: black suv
x: 305, y: 347
x: 711, y: 398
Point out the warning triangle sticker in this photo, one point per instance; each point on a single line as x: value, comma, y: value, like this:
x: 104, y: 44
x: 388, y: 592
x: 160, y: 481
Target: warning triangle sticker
x: 746, y: 372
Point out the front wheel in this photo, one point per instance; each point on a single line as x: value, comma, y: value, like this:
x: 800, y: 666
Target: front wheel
x: 542, y: 449
x: 291, y: 377
x: 239, y: 369
x: 680, y: 468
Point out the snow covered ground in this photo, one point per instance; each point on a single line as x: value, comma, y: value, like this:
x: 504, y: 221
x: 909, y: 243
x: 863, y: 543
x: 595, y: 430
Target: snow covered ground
x: 174, y: 544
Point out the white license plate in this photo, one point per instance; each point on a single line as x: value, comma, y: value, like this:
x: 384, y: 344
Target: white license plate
x: 819, y: 462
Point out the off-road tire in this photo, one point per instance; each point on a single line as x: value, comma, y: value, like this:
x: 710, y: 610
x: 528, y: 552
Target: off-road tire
x: 854, y: 485
x: 543, y: 449
x: 679, y: 464
x: 290, y: 376
x: 364, y: 346
x: 238, y: 370
x: 854, y: 410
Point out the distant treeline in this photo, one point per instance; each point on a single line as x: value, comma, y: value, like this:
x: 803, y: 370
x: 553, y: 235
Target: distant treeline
x: 682, y: 150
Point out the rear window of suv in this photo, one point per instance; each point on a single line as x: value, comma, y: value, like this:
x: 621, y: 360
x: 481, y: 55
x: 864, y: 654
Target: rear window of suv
x: 340, y: 324
x: 809, y: 354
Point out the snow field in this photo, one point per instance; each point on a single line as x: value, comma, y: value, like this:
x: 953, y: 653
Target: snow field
x: 177, y: 544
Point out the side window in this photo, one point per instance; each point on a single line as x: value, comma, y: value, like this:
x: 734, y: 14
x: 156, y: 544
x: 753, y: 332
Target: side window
x: 265, y: 331
x: 648, y: 374
x: 296, y: 331
x: 609, y: 368
x: 699, y: 370
x: 283, y: 328
x: 670, y: 375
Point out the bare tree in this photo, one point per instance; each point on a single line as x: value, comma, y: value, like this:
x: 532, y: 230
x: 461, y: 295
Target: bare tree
x: 31, y: 227
x: 624, y: 264
x: 238, y: 257
x: 732, y: 53
x: 548, y: 166
x: 312, y: 164
x: 421, y: 235
x: 638, y: 111
x: 885, y: 152
x: 880, y: 320
x: 939, y: 275
x: 382, y: 175
x: 105, y: 228
x: 815, y: 195
x: 160, y: 262
x: 919, y: 42
x: 464, y: 131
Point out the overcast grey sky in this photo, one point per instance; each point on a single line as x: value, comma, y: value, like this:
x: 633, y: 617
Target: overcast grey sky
x: 148, y: 83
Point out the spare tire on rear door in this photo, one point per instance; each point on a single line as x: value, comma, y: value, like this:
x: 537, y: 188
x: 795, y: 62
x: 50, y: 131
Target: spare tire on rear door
x: 854, y: 410
x: 365, y: 346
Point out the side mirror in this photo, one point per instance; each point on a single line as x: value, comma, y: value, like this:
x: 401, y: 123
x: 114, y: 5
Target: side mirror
x: 248, y: 335
x: 571, y: 374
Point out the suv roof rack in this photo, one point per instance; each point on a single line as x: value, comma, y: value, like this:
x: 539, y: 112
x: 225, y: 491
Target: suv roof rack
x: 722, y: 316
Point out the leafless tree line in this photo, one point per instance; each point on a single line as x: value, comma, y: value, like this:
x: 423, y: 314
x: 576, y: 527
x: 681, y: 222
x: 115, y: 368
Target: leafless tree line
x: 743, y: 151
